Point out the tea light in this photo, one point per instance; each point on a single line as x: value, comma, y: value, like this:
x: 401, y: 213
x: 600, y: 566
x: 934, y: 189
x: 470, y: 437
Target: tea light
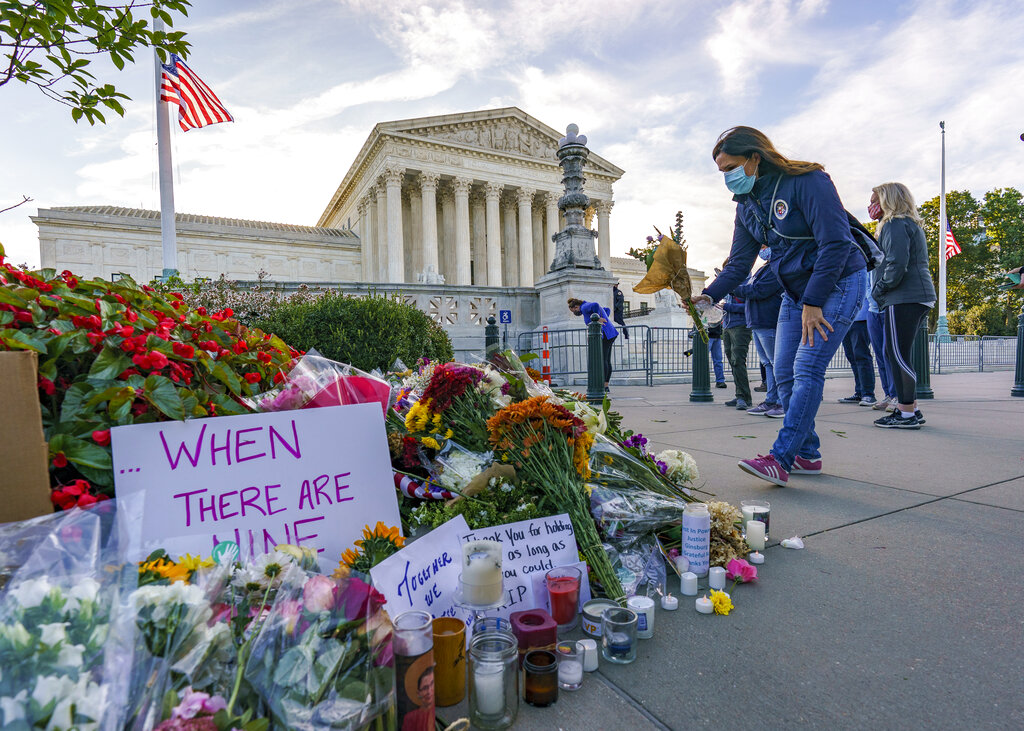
x: 716, y: 577
x: 688, y: 582
x: 756, y: 558
x: 704, y: 605
x: 588, y: 648
x: 755, y: 535
x: 670, y: 603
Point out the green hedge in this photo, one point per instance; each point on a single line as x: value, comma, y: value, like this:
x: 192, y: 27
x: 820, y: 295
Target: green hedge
x: 367, y: 332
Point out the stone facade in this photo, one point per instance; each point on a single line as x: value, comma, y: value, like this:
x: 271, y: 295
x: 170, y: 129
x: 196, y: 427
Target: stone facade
x: 495, y: 167
x: 104, y: 241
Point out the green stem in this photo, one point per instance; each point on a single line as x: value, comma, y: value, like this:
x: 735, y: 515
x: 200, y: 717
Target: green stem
x: 245, y: 649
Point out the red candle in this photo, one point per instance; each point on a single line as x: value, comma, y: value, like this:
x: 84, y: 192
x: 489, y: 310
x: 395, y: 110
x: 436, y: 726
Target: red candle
x: 565, y: 598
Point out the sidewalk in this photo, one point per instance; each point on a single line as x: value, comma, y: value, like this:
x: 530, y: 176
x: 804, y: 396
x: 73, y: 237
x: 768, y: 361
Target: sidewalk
x: 904, y: 610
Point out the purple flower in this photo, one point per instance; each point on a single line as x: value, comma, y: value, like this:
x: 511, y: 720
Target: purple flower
x: 193, y: 703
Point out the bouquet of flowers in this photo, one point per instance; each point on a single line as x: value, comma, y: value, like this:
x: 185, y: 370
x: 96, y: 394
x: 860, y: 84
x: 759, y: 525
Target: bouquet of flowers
x: 322, y: 658
x: 455, y: 402
x: 314, y: 381
x: 550, y: 449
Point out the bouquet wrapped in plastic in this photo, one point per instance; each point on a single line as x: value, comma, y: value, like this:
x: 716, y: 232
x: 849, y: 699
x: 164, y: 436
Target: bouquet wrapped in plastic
x: 323, y: 658
x: 314, y: 381
x: 629, y: 467
x: 55, y: 618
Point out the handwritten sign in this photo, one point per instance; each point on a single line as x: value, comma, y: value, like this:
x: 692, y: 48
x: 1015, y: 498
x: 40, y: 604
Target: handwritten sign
x: 312, y: 477
x: 531, y: 548
x: 425, y: 574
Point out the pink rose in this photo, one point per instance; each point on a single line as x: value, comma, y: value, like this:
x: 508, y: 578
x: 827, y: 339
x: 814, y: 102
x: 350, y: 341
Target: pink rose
x: 359, y: 599
x: 291, y: 612
x: 193, y: 703
x: 740, y: 571
x: 319, y: 594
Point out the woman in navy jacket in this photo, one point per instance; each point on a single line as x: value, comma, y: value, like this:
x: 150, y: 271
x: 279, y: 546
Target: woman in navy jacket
x: 608, y: 331
x: 791, y: 207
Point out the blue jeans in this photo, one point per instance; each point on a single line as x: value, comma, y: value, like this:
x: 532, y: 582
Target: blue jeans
x: 764, y: 341
x: 857, y: 346
x: 877, y: 334
x: 800, y: 369
x: 715, y: 346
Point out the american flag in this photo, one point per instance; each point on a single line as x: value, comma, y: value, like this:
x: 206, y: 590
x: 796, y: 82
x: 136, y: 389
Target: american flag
x: 198, y: 106
x: 952, y: 247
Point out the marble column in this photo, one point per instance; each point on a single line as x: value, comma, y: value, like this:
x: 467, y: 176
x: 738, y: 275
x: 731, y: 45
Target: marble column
x: 415, y: 226
x: 428, y: 193
x: 551, y: 201
x: 447, y: 236
x: 509, y: 241
x: 539, y: 254
x: 463, y: 272
x: 396, y: 255
x: 525, y: 199
x: 492, y: 194
x: 604, y: 238
x: 478, y: 237
x: 408, y: 255
x: 381, y: 238
x: 365, y: 239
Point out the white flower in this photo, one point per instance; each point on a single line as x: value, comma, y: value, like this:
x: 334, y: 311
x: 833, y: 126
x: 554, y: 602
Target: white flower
x: 13, y: 708
x: 49, y: 688
x: 31, y: 593
x: 595, y: 419
x: 681, y: 466
x: 85, y: 590
x: 53, y: 634
x: 70, y: 656
x: 16, y: 635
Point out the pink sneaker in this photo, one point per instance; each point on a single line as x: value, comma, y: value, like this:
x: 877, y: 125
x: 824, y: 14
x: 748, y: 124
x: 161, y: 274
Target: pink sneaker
x: 767, y: 468
x: 803, y: 466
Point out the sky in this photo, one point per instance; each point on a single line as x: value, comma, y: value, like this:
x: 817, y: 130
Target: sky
x: 857, y: 85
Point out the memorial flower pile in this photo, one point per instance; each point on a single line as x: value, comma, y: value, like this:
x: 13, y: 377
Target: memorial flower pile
x: 114, y: 353
x: 376, y: 545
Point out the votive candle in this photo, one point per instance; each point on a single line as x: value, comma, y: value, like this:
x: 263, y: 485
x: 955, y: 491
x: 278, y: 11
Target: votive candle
x: 755, y: 535
x: 688, y: 582
x: 756, y: 557
x: 716, y: 577
x: 704, y: 605
x: 669, y: 603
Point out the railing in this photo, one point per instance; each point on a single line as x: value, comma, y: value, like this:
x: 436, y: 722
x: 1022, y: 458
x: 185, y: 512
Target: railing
x: 655, y: 352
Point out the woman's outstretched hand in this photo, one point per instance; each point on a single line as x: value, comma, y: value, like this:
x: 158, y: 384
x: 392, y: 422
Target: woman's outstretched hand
x: 813, y: 320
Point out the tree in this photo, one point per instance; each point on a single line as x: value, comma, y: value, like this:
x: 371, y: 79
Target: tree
x: 966, y: 273
x: 51, y: 44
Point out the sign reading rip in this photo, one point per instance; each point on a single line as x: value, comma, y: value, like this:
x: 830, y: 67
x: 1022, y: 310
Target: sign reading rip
x: 312, y: 477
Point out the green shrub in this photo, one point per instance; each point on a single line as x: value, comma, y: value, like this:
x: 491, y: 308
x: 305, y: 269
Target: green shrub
x: 990, y: 318
x: 367, y: 332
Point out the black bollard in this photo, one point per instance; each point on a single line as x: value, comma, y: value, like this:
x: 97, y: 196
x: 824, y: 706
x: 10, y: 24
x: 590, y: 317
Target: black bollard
x: 491, y: 337
x: 595, y: 361
x: 1018, y: 378
x: 921, y: 362
x: 700, y: 392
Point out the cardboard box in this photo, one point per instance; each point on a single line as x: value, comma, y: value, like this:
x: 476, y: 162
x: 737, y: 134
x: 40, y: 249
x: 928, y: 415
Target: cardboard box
x: 24, y: 477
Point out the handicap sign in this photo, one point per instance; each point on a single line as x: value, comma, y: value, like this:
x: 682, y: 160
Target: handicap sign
x: 505, y: 317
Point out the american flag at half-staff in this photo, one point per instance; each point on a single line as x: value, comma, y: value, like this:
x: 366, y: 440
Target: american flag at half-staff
x: 426, y: 490
x: 952, y: 247
x: 198, y: 106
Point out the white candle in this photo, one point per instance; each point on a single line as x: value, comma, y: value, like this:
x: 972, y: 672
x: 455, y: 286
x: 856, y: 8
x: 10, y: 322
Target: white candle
x: 748, y: 515
x: 481, y: 572
x: 489, y: 684
x: 688, y: 582
x: 589, y: 650
x: 570, y: 672
x: 716, y: 577
x: 755, y: 535
x: 682, y: 564
x: 704, y: 605
x: 644, y: 608
x: 670, y: 603
x: 756, y: 558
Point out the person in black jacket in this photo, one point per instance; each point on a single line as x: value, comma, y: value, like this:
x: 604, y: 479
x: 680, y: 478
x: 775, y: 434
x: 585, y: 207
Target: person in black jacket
x: 763, y: 295
x: 904, y: 291
x: 619, y: 309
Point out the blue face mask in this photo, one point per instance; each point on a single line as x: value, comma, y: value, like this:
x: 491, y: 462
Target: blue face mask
x: 738, y: 181
x: 765, y: 253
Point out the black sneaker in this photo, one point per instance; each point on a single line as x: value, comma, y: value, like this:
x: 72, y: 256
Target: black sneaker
x: 850, y: 400
x: 762, y: 388
x: 897, y: 421
x: 731, y: 403
x: 920, y: 416
x: 721, y: 384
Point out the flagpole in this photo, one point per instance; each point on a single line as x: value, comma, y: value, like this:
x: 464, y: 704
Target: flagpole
x: 163, y: 143
x: 942, y: 326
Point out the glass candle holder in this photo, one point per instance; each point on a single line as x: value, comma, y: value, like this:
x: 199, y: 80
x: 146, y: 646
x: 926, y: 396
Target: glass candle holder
x: 491, y: 624
x: 493, y: 680
x: 619, y: 638
x: 756, y: 510
x: 481, y: 576
x: 450, y: 659
x: 541, y: 678
x: 413, y: 645
x: 570, y: 665
x: 564, y: 594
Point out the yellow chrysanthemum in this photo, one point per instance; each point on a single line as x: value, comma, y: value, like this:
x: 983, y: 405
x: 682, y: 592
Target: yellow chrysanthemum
x: 194, y: 563
x: 430, y: 442
x: 721, y: 601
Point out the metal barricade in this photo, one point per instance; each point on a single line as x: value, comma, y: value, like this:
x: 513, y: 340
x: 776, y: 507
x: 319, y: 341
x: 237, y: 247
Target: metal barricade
x: 997, y: 351
x: 955, y: 352
x: 567, y: 351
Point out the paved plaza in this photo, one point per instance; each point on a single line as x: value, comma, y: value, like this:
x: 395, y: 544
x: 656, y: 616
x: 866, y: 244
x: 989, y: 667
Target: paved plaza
x: 904, y: 609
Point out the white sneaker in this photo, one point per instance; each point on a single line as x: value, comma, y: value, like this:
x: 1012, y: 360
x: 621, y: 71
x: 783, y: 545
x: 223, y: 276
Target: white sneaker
x: 882, y: 405
x: 867, y: 401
